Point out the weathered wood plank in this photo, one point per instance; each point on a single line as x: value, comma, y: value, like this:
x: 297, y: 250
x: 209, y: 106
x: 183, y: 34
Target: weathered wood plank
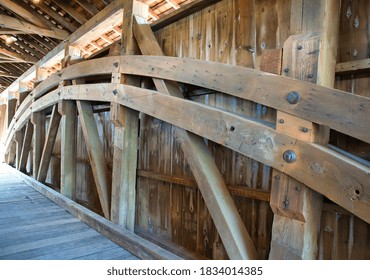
x: 352, y: 66
x: 26, y: 146
x: 38, y: 121
x: 126, y: 123
x: 311, y: 58
x: 49, y: 144
x: 133, y: 243
x: 270, y: 90
x: 68, y: 111
x: 96, y: 155
x: 315, y: 103
x: 235, y: 190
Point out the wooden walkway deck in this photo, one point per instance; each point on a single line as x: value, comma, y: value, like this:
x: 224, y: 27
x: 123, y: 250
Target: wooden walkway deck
x: 34, y: 227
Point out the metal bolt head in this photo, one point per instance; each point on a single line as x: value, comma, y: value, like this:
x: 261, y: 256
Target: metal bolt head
x: 299, y: 47
x: 293, y: 97
x: 289, y: 156
x: 304, y: 129
x: 115, y: 64
x: 115, y: 92
x: 281, y: 121
x: 286, y: 70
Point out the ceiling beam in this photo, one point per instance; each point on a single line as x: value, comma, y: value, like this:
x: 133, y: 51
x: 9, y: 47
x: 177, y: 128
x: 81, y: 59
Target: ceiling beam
x: 18, y: 57
x: 91, y: 9
x: 71, y: 11
x: 7, y: 31
x: 173, y: 4
x: 56, y: 16
x: 13, y: 23
x: 23, y: 13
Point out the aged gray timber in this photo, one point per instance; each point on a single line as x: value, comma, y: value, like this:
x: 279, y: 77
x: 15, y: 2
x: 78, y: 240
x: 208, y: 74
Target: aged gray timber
x: 34, y: 227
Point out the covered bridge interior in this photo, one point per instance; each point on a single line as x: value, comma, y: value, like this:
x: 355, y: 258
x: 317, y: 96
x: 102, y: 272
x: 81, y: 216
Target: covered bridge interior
x: 221, y: 129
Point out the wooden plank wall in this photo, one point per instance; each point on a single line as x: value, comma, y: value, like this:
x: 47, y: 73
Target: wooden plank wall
x: 172, y: 211
x: 227, y: 33
x: 344, y: 236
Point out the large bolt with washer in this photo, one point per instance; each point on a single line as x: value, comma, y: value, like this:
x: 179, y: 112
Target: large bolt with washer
x: 293, y: 97
x: 290, y: 156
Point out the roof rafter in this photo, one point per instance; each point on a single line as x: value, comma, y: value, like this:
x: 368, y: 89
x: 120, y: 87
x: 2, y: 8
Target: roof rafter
x: 20, y: 11
x: 13, y: 23
x: 18, y: 57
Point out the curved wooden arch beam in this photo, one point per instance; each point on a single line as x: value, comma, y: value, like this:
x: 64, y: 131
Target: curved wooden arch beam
x: 342, y: 111
x: 340, y: 179
x: 96, y: 67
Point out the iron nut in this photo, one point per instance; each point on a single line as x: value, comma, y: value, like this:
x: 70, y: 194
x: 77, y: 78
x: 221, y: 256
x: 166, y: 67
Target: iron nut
x: 289, y: 156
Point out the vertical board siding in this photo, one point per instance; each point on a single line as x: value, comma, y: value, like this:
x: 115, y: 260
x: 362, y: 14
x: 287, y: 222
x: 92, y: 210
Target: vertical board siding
x: 225, y: 32
x: 344, y: 236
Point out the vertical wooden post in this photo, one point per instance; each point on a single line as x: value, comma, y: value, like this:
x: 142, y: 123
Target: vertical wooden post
x: 126, y: 127
x: 11, y: 107
x: 96, y: 155
x: 26, y: 147
x: 18, y: 138
x: 308, y: 57
x: 68, y: 123
x: 2, y: 119
x: 68, y: 111
x: 49, y: 144
x: 38, y: 121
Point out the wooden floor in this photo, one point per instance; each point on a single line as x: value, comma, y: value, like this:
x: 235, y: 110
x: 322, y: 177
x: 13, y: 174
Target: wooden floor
x: 34, y: 227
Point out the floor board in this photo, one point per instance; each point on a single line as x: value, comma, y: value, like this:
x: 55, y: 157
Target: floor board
x: 34, y: 227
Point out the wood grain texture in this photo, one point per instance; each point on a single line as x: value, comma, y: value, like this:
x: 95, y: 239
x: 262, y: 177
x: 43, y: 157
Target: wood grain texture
x: 49, y: 144
x: 98, y: 163
x: 39, y: 229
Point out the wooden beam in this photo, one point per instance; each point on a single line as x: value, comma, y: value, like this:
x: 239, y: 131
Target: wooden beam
x: 240, y: 191
x: 68, y: 164
x: 19, y: 57
x: 96, y: 155
x: 173, y: 4
x: 236, y: 239
x: 57, y: 17
x: 297, y: 208
x: 9, y: 22
x: 260, y: 142
x: 26, y: 147
x: 38, y: 120
x: 182, y: 12
x: 49, y: 144
x: 349, y: 115
x: 100, y: 23
x: 71, y: 11
x: 353, y: 66
x: 18, y: 138
x: 10, y: 110
x: 88, y: 7
x: 20, y: 11
x: 126, y: 128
